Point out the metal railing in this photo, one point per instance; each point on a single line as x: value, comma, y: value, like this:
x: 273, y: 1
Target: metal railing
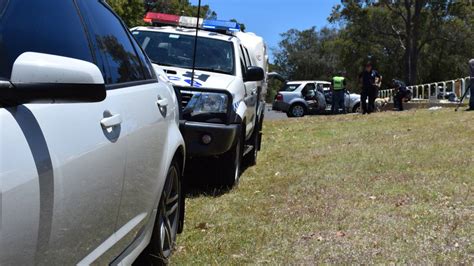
x: 430, y: 91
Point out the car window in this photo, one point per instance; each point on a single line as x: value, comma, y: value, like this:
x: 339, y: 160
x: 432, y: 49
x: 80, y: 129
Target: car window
x: 309, y: 86
x: 171, y: 49
x: 112, y: 42
x: 326, y: 87
x: 247, y: 56
x: 61, y: 32
x: 290, y: 87
x: 148, y: 67
x: 243, y: 64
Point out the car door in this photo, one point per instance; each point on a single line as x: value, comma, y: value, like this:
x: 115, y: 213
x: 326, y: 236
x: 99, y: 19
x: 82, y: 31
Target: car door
x: 61, y: 170
x: 145, y: 116
x: 251, y: 93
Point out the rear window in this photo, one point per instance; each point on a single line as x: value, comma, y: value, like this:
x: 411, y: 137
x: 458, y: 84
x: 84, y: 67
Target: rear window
x: 290, y: 87
x: 51, y: 27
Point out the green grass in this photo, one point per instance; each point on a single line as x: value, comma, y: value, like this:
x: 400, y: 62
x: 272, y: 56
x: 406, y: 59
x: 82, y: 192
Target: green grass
x: 385, y: 188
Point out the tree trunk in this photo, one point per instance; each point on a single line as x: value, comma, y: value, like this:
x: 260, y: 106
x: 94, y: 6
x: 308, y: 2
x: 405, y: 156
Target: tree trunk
x: 409, y: 43
x: 413, y: 25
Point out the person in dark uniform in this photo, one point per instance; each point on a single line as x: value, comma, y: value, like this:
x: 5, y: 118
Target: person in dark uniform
x: 402, y: 93
x: 371, y: 81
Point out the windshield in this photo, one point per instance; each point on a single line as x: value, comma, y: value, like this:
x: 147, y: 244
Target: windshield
x: 177, y: 50
x: 290, y: 87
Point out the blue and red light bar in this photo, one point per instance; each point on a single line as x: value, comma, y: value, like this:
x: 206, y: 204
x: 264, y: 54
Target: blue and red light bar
x: 221, y: 25
x: 191, y: 22
x: 151, y: 17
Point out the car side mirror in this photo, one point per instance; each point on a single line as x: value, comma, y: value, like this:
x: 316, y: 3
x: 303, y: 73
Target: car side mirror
x: 43, y: 77
x: 255, y: 74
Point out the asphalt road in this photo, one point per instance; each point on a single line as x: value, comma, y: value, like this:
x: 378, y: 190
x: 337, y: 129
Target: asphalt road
x: 272, y: 115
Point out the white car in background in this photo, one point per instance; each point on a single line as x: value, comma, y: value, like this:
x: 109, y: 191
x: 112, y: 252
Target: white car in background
x: 91, y: 156
x: 300, y: 98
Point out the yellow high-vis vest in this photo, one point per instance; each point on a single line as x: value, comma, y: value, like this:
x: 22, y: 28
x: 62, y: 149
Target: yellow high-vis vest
x: 338, y: 83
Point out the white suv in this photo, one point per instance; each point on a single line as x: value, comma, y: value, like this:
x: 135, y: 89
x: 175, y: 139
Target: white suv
x: 91, y: 156
x: 223, y: 104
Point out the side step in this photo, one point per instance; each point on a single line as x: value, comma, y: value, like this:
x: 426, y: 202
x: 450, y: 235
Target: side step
x: 248, y: 149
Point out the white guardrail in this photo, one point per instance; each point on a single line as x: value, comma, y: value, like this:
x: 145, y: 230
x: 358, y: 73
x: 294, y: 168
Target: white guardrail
x: 431, y: 91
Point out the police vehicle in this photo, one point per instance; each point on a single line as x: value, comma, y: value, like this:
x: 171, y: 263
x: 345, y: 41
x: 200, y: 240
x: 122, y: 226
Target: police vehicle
x: 222, y: 89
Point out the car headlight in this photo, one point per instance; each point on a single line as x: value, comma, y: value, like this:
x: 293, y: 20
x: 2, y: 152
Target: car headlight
x: 207, y: 102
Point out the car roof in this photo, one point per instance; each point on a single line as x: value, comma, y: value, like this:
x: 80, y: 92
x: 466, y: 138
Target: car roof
x: 187, y: 31
x: 308, y: 81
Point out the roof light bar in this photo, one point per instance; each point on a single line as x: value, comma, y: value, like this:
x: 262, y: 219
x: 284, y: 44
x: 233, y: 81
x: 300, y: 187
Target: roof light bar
x: 191, y: 22
x: 168, y: 19
x: 221, y: 25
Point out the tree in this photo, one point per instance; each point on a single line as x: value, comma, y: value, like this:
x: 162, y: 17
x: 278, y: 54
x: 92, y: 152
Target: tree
x: 242, y: 25
x: 406, y: 26
x: 131, y: 11
x: 307, y: 54
x: 180, y: 7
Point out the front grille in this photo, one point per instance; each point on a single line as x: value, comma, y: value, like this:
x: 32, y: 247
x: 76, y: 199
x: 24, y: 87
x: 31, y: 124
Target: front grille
x: 185, y: 98
x: 184, y: 95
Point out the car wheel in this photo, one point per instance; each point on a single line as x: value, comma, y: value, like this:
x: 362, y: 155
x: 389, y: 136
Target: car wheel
x: 167, y: 221
x: 357, y: 108
x: 297, y: 110
x: 229, y: 165
x: 251, y: 158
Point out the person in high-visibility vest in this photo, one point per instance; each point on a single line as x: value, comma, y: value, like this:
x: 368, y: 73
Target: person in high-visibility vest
x: 338, y: 91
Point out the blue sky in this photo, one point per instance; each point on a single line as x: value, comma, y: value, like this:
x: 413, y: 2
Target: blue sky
x: 269, y: 18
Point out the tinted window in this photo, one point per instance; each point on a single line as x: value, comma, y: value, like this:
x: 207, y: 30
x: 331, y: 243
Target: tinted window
x: 147, y: 66
x: 51, y: 27
x: 243, y: 65
x: 112, y: 42
x: 290, y: 87
x: 310, y: 86
x: 247, y: 57
x: 177, y: 50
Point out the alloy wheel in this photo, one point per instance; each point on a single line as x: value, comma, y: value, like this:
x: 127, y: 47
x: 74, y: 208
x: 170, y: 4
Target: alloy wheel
x: 298, y: 111
x: 169, y: 213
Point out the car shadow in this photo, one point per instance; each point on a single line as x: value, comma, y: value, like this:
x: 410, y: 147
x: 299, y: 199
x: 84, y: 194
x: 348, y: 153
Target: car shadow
x: 197, y: 186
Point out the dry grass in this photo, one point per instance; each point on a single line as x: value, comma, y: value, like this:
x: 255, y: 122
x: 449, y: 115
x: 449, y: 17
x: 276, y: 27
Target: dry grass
x: 391, y: 187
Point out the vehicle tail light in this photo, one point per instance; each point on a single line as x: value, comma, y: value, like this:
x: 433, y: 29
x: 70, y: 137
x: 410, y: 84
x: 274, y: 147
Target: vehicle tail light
x: 279, y: 98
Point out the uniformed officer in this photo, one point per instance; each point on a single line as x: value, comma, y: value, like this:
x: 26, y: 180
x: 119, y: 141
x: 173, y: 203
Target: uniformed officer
x: 371, y: 81
x: 338, y: 91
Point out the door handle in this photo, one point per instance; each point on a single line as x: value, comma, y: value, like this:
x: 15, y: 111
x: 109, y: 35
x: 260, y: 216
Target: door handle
x: 162, y: 103
x: 112, y: 121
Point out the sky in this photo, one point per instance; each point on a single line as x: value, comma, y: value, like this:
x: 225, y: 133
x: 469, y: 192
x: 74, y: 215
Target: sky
x: 269, y: 18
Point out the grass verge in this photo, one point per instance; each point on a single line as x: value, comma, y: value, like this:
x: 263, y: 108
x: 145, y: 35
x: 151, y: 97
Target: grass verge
x: 390, y: 187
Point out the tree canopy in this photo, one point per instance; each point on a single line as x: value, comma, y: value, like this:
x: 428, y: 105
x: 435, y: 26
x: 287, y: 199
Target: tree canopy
x: 414, y: 40
x: 133, y: 11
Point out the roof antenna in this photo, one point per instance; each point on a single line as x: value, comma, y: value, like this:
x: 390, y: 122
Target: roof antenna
x: 195, y: 43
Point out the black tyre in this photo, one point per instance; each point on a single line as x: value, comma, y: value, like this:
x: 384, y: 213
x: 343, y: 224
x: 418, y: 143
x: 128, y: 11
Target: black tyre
x: 251, y: 158
x: 356, y: 108
x: 167, y: 221
x: 229, y: 165
x: 297, y: 110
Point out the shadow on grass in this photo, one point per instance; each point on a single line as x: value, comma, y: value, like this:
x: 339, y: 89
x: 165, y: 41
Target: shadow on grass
x: 206, y: 186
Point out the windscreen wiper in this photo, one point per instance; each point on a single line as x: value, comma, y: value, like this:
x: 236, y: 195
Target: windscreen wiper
x: 212, y: 70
